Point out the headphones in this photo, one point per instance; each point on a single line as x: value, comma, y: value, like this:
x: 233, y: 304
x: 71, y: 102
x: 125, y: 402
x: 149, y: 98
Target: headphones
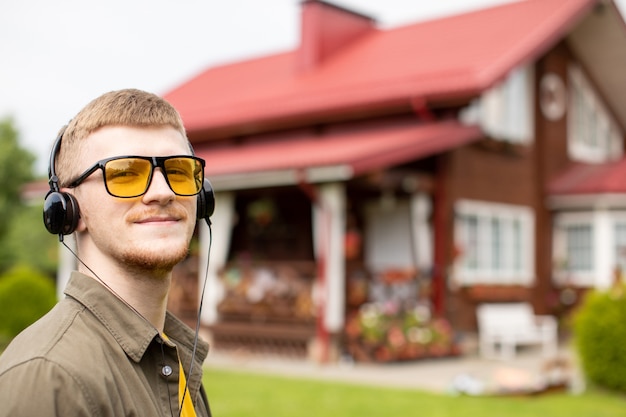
x: 61, y: 212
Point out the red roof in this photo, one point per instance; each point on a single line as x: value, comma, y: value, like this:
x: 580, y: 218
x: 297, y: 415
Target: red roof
x: 591, y: 179
x: 457, y: 56
x: 358, y: 151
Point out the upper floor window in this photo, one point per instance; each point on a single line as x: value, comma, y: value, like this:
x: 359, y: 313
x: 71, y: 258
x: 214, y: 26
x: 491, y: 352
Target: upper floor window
x: 505, y: 111
x: 495, y: 243
x: 592, y: 134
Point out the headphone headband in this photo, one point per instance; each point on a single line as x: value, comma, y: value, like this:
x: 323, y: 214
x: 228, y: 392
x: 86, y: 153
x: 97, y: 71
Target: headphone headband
x: 53, y: 179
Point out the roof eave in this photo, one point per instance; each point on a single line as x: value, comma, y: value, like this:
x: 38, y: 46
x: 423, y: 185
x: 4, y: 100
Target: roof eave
x: 284, y: 114
x: 587, y: 201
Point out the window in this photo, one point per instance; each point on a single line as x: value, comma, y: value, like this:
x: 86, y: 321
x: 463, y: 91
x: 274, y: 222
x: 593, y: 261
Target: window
x: 620, y: 245
x: 496, y: 243
x: 505, y: 112
x: 588, y: 246
x: 574, y: 248
x: 592, y: 134
x: 579, y: 247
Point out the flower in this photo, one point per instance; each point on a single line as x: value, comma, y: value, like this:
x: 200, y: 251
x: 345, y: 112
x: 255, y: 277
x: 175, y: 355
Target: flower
x: 393, y: 332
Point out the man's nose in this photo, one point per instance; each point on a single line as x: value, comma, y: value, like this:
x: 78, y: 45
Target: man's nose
x: 158, y: 189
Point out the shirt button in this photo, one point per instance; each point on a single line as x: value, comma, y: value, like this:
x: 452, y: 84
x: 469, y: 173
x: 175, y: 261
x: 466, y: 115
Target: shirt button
x: 166, y: 370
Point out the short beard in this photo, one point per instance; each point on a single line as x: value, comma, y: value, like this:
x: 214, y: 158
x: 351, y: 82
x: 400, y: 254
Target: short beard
x: 155, y: 264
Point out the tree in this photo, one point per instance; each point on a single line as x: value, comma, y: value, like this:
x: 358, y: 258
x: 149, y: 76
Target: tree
x: 16, y: 169
x: 23, y: 237
x: 25, y: 295
x: 600, y: 337
x: 27, y: 242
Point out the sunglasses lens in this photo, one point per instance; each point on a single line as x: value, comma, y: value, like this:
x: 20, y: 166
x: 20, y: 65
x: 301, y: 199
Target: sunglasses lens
x: 185, y: 175
x: 127, y: 177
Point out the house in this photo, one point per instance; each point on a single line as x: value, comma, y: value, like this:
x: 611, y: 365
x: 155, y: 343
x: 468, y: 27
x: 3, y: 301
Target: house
x: 411, y: 172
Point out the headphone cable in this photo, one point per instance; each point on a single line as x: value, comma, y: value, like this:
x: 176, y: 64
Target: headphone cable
x: 197, y: 330
x: 195, y: 340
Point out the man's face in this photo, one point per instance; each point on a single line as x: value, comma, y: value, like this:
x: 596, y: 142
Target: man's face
x: 149, y: 232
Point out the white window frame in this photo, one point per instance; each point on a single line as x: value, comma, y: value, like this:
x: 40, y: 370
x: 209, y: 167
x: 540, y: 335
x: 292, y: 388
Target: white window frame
x: 475, y: 263
x: 602, y: 246
x: 593, y: 136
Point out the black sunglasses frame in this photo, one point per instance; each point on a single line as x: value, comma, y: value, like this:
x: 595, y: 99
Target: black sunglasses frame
x: 156, y: 162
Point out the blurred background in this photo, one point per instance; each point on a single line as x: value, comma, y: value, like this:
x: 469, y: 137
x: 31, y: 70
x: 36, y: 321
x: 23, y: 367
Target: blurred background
x: 396, y: 181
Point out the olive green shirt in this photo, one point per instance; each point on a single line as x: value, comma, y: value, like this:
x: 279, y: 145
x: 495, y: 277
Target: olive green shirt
x: 91, y: 355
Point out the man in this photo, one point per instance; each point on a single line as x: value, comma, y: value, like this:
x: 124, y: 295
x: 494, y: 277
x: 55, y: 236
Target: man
x: 110, y: 348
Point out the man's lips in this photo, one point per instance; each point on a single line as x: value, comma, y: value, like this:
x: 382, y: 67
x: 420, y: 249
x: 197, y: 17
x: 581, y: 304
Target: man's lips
x: 157, y: 219
x: 161, y: 217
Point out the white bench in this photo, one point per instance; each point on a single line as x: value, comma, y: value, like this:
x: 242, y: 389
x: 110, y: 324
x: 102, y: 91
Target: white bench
x: 511, y: 324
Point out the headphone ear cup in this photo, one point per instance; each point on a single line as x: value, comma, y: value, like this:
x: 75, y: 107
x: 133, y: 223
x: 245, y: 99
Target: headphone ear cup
x: 206, y: 201
x: 60, y: 213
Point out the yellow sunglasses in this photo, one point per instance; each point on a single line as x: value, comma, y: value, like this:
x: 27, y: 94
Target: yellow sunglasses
x: 130, y: 176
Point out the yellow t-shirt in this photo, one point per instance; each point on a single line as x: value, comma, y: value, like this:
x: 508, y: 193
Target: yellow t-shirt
x: 188, y: 410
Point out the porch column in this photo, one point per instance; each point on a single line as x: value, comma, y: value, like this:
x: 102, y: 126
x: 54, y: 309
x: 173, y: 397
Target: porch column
x: 221, y: 226
x: 329, y: 230
x: 422, y: 233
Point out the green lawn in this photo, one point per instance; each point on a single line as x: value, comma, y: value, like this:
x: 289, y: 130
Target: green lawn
x: 239, y: 394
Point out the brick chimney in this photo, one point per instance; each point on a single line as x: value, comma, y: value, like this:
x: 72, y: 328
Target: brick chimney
x: 325, y: 29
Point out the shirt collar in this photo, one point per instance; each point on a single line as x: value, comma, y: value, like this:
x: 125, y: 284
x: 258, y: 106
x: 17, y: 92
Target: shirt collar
x: 131, y: 331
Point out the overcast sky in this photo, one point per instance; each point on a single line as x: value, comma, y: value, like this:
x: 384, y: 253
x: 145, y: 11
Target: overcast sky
x: 55, y: 56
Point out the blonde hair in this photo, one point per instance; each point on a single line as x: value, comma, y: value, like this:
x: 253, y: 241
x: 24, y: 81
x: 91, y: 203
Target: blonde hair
x: 128, y: 107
